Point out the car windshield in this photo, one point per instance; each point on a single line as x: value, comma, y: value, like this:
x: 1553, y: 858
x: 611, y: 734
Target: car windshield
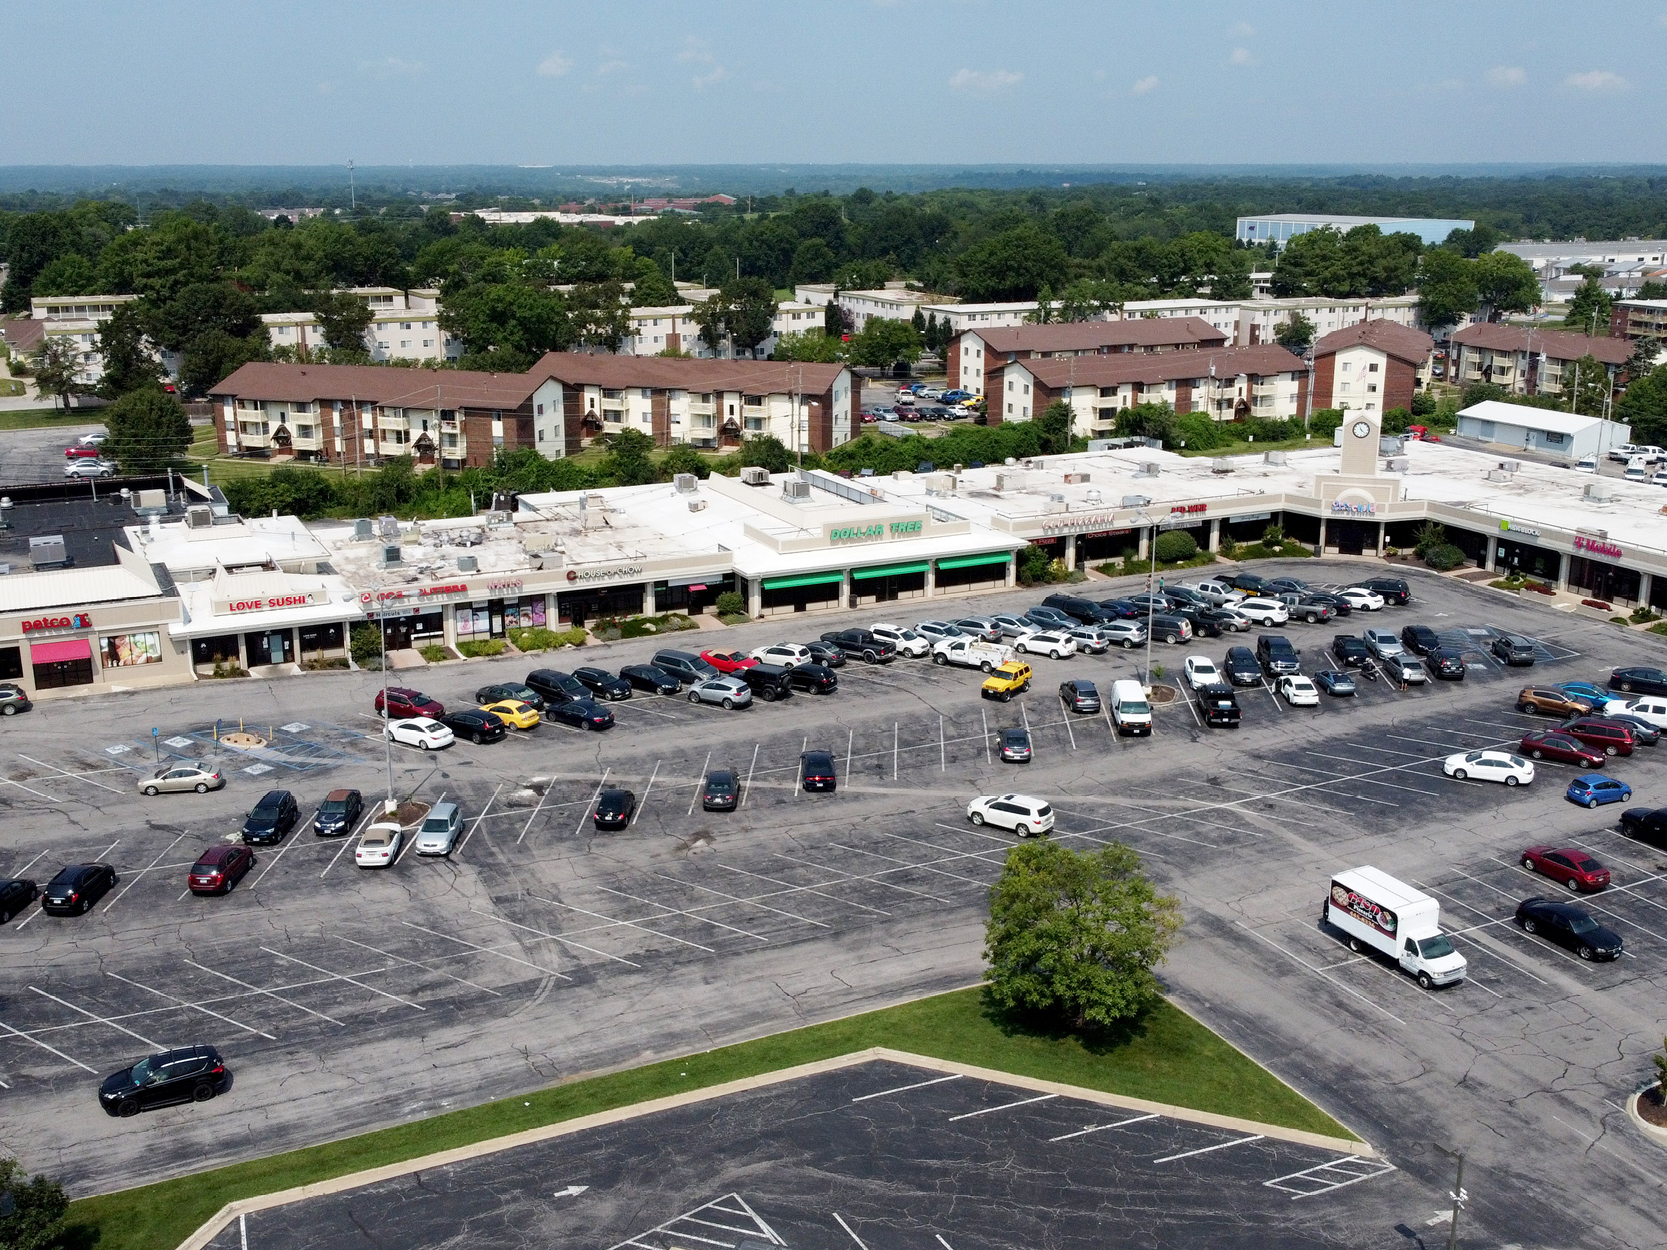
x: 266, y: 811
x: 1435, y: 947
x: 142, y: 1071
x: 436, y: 824
x: 1582, y: 924
x: 333, y: 806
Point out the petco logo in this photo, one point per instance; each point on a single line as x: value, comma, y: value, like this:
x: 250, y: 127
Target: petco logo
x: 79, y: 621
x: 1594, y: 545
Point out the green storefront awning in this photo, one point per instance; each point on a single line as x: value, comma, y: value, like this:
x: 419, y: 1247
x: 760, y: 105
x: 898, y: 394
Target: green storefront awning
x: 892, y: 570
x: 966, y: 562
x: 809, y: 579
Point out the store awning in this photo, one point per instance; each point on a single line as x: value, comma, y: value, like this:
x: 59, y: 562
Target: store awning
x: 809, y: 579
x: 892, y: 570
x: 55, y: 652
x: 966, y: 562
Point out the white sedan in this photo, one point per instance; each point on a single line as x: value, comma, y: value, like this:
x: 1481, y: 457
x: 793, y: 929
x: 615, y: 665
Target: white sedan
x: 1054, y: 646
x: 1201, y: 672
x: 1513, y: 770
x: 378, y: 846
x: 1263, y: 611
x: 1298, y: 691
x: 420, y: 731
x: 1361, y: 599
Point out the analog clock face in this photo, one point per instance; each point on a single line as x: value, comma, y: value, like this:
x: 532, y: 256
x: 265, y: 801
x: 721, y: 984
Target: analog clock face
x: 1362, y: 428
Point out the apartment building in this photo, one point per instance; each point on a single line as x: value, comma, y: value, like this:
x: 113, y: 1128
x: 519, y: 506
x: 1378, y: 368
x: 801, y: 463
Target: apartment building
x: 363, y: 414
x: 405, y: 325
x: 655, y: 330
x: 1525, y: 360
x: 1283, y: 227
x: 1229, y: 384
x: 1634, y: 319
x: 1260, y: 319
x: 973, y: 357
x: 895, y: 302
x: 70, y: 319
x: 705, y: 403
x: 1375, y: 365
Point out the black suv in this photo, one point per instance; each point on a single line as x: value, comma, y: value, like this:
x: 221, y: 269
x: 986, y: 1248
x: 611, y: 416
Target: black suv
x: 1393, y: 589
x: 76, y: 888
x: 271, y: 818
x: 190, y: 1074
x: 816, y: 678
x: 1241, y: 667
x: 1084, y: 610
x: 1250, y: 583
x: 1420, y: 639
x: 861, y: 643
x: 600, y: 682
x: 556, y: 686
x: 1277, y: 656
x: 1218, y: 705
x: 687, y: 667
x: 768, y: 681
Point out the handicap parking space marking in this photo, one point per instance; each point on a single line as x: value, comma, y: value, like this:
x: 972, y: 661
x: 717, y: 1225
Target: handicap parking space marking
x: 1324, y: 1178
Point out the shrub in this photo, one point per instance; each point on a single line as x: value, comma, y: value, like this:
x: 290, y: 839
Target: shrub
x: 1034, y: 565
x: 1599, y: 604
x: 365, y: 643
x: 1619, y: 620
x: 730, y: 603
x: 1641, y: 614
x: 1176, y: 545
x: 1444, y: 556
x: 1273, y: 535
x: 1430, y: 534
x: 1228, y: 545
x: 475, y: 649
x: 538, y: 638
x: 1660, y: 627
x: 434, y: 653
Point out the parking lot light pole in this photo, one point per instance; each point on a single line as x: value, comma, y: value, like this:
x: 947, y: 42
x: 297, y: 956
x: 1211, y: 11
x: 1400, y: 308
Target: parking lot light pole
x: 389, y: 806
x: 1152, y: 583
x: 1458, y: 1195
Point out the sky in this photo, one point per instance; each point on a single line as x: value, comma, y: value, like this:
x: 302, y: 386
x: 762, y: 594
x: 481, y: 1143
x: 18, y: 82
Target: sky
x: 318, y: 82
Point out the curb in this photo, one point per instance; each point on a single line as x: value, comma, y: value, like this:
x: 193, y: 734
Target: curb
x: 1655, y: 1134
x: 221, y: 1219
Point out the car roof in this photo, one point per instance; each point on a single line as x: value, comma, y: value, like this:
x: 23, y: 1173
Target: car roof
x: 218, y: 854
x: 273, y: 796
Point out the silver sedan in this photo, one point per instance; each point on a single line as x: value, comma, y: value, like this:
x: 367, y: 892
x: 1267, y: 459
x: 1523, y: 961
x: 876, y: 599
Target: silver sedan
x: 173, y: 778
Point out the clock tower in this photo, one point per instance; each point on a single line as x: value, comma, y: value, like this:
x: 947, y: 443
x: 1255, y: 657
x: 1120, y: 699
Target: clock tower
x: 1361, y: 430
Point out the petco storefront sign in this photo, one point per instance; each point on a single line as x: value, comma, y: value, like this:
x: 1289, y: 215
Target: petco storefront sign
x: 43, y: 624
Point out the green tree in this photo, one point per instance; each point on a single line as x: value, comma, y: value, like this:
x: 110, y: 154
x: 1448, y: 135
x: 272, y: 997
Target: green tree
x: 1660, y: 1061
x: 1472, y: 243
x: 1479, y: 392
x: 32, y: 1210
x: 652, y: 289
x: 813, y: 261
x: 627, y: 462
x: 1055, y: 423
x: 515, y: 321
x: 685, y: 459
x: 214, y: 356
x: 766, y: 451
x: 600, y: 314
x: 1090, y: 299
x: 1587, y: 388
x: 1034, y: 565
x: 1447, y: 289
x: 1505, y: 282
x: 69, y: 274
x: 343, y: 319
x: 1642, y: 359
x: 129, y: 361
x: 882, y: 343
x: 148, y: 431
x: 810, y: 346
x: 1076, y: 934
x: 750, y: 313
x: 1644, y: 407
x: 1295, y: 333
x: 1013, y: 265
x: 56, y: 366
x: 1175, y: 545
x: 1588, y: 310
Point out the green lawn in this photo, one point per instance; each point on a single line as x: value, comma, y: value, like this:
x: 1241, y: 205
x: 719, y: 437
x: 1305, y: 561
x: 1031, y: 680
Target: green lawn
x: 1256, y: 449
x: 1169, y: 1057
x: 43, y: 418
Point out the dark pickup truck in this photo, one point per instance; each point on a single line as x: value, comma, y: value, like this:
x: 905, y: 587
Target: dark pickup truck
x: 862, y: 645
x: 1218, y: 705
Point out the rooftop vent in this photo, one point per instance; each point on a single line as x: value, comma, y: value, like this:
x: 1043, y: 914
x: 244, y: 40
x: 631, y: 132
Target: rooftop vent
x: 1511, y: 466
x: 388, y: 528
x: 1093, y: 497
x: 795, y: 490
x: 362, y: 528
x: 468, y: 564
x: 1010, y: 462
x: 390, y: 555
x: 1221, y: 464
x: 1136, y: 501
x: 755, y: 475
x: 685, y: 483
x: 1498, y: 475
x: 1398, y: 464
x: 1274, y: 457
x: 697, y: 505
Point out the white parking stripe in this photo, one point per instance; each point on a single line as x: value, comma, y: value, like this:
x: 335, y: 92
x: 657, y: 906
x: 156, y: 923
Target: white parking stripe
x: 143, y: 871
x: 100, y: 1019
x: 180, y: 1002
x: 700, y: 782
x: 1100, y: 1128
x: 903, y: 1089
x: 678, y: 911
x: 487, y: 950
x: 343, y: 976
x: 1204, y: 1150
x: 615, y: 922
x: 1006, y: 1106
x: 36, y: 1041
x: 300, y: 829
x: 257, y: 990
x: 554, y: 937
x: 740, y: 900
x: 1332, y: 980
x: 589, y: 807
x: 67, y: 773
x: 481, y: 817
x: 413, y: 963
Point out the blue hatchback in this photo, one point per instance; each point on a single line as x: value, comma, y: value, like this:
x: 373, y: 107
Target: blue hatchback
x: 1594, y: 694
x: 1594, y: 790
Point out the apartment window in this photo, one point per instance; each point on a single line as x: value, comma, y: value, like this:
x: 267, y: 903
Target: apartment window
x: 404, y: 343
x: 1347, y: 366
x: 704, y: 397
x: 1371, y: 388
x: 1010, y: 407
x: 1026, y: 411
x: 612, y: 394
x: 754, y: 423
x: 541, y: 410
x: 753, y: 401
x: 613, y: 416
x: 1009, y: 384
x: 1372, y: 368
x: 428, y: 342
x: 382, y: 345
x: 1027, y: 388
x: 647, y: 392
x: 405, y: 325
x: 1344, y: 388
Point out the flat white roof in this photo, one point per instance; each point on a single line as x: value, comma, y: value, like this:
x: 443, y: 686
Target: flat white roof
x: 181, y: 548
x: 1502, y: 412
x: 58, y: 588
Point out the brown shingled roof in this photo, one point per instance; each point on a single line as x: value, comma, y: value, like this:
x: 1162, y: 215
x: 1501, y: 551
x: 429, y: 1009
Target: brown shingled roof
x: 1557, y: 344
x: 1092, y: 335
x: 395, y: 386
x: 1401, y: 342
x: 767, y: 376
x: 1162, y: 367
x: 23, y: 335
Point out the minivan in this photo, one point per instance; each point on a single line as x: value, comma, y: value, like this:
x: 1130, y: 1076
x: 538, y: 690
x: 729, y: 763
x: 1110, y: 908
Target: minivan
x: 686, y: 666
x: 768, y: 681
x: 1277, y: 656
x: 1130, y: 711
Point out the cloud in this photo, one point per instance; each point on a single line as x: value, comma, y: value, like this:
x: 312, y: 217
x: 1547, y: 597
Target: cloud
x: 1596, y: 80
x: 703, y: 81
x: 555, y: 65
x: 391, y: 67
x: 1146, y: 84
x: 609, y: 67
x: 985, y: 80
x: 694, y: 51
x: 326, y: 88
x: 1506, y: 76
x: 1241, y: 56
x: 1242, y: 30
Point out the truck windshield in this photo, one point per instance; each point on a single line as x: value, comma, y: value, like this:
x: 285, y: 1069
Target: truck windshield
x: 1134, y: 709
x: 1435, y: 947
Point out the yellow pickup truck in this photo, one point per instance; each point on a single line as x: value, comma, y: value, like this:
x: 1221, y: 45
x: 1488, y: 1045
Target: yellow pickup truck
x: 1006, y: 681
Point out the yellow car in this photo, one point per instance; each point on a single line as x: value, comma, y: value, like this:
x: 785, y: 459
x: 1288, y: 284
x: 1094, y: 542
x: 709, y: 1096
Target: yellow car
x: 514, y: 712
x: 1006, y: 681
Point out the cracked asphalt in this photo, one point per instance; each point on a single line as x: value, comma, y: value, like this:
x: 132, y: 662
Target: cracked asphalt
x: 346, y: 999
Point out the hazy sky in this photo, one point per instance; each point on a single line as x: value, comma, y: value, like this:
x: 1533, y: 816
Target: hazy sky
x: 620, y: 82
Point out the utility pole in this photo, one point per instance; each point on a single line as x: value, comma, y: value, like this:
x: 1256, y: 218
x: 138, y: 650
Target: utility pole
x: 1457, y: 1194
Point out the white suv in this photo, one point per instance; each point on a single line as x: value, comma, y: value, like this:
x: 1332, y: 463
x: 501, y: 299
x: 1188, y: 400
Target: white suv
x: 786, y: 654
x: 902, y: 637
x: 1054, y: 646
x: 1019, y: 812
x: 1263, y: 611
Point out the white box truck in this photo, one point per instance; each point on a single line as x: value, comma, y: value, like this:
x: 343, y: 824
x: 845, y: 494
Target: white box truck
x: 972, y: 652
x: 1374, y: 910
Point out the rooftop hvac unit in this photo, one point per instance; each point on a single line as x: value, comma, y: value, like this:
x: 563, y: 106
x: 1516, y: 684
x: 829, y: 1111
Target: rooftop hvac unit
x: 1511, y: 466
x: 388, y: 527
x: 945, y: 483
x: 596, y: 501
x: 390, y: 555
x: 1148, y: 468
x: 468, y: 564
x: 199, y: 517
x: 1009, y: 481
x: 1136, y: 501
x: 1076, y: 479
x: 1498, y: 475
x: 1398, y: 464
x: 362, y: 528
x: 1599, y: 491
x: 1274, y: 457
x: 795, y: 490
x: 1221, y: 464
x: 505, y: 501
x: 151, y: 501
x: 755, y: 475
x: 1056, y: 503
x: 1390, y: 445
x: 496, y: 517
x: 697, y: 505
x: 685, y: 483
x: 901, y: 475
x: 48, y: 549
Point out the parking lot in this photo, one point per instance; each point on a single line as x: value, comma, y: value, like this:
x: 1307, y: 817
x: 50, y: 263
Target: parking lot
x: 795, y: 1165
x: 540, y: 949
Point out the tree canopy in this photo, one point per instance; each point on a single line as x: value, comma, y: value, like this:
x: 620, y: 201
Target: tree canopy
x: 148, y: 430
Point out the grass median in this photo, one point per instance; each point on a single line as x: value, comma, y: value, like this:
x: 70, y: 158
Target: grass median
x: 1167, y: 1057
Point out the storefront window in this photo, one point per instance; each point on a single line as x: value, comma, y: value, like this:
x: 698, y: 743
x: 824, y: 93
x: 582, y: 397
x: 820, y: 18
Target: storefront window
x: 59, y: 664
x: 217, y: 650
x: 270, y: 646
x: 11, y: 662
x: 127, y: 650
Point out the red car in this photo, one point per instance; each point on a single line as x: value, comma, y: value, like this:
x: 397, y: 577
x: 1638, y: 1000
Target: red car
x: 1547, y: 744
x: 728, y: 661
x: 82, y: 453
x: 219, y: 868
x: 404, y: 704
x: 1568, y: 866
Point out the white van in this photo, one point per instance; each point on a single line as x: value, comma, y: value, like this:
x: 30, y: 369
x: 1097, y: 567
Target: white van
x: 1130, y: 711
x: 1637, y: 470
x: 1373, y: 909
